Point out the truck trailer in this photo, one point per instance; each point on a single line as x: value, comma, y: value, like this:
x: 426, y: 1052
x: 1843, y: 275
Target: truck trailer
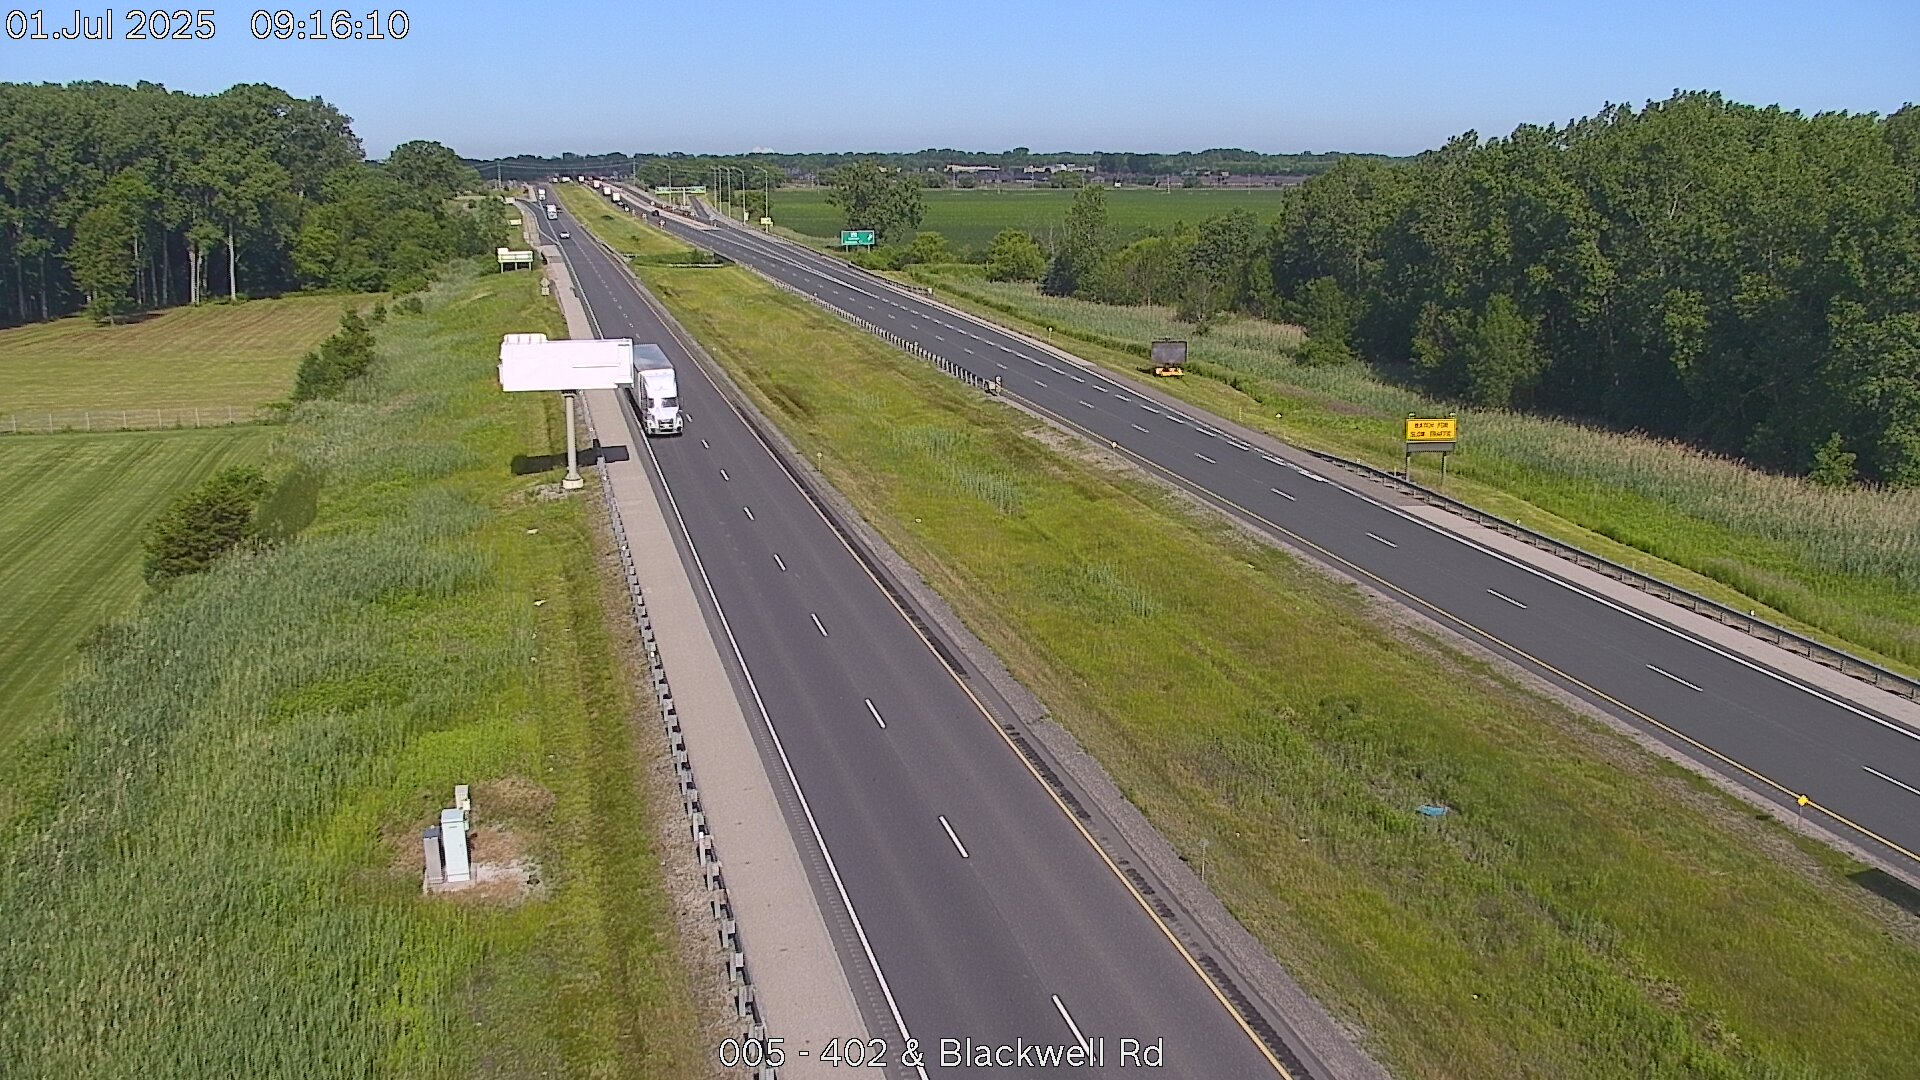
x: 656, y: 396
x: 553, y: 212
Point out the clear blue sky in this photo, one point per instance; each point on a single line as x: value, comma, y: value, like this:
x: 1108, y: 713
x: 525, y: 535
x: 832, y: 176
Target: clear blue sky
x: 1280, y: 75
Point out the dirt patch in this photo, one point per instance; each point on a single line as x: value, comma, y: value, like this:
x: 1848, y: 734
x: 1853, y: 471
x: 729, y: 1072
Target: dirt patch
x: 513, y: 798
x: 543, y: 493
x: 508, y: 815
x: 504, y: 874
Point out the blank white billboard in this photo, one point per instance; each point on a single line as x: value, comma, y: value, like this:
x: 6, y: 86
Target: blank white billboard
x: 531, y: 362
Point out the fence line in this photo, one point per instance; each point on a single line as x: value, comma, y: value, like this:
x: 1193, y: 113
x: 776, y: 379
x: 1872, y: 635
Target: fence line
x: 46, y: 421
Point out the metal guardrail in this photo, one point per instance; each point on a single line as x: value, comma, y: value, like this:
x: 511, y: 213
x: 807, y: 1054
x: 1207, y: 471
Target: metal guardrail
x: 745, y: 1004
x: 1838, y: 659
x: 941, y: 363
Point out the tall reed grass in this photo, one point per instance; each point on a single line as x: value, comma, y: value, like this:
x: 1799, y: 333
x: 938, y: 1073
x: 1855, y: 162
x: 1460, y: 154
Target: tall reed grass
x: 215, y: 882
x: 1846, y: 561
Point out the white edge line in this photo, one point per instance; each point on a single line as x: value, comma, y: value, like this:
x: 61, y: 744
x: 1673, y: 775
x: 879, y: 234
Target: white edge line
x: 1791, y: 681
x: 1582, y: 591
x: 800, y: 796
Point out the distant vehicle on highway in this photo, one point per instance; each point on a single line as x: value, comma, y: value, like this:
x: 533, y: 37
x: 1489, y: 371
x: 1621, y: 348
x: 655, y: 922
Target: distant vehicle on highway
x: 655, y: 393
x: 565, y: 235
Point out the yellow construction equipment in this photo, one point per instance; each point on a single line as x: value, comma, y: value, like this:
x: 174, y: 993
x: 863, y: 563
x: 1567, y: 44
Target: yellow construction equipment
x: 1169, y: 357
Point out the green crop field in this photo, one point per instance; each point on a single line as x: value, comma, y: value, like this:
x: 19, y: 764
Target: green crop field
x: 213, y: 355
x: 971, y: 218
x: 1843, y: 565
x: 76, y: 506
x: 210, y: 865
x: 1587, y: 910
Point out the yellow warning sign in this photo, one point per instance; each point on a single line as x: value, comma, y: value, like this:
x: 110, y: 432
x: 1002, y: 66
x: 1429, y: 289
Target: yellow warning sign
x: 1440, y: 429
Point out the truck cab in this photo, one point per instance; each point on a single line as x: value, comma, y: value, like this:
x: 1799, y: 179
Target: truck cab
x: 656, y: 392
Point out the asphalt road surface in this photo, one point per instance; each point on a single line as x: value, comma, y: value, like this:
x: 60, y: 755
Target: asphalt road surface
x: 1766, y: 730
x: 972, y: 906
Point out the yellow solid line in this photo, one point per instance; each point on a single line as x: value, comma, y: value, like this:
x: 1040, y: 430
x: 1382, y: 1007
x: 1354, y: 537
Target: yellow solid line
x: 1681, y: 735
x: 1205, y: 979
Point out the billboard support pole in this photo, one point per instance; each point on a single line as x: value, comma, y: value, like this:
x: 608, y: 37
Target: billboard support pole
x: 572, y: 481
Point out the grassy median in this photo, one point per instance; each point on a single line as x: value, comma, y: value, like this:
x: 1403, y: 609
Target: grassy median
x: 1585, y: 910
x: 617, y: 228
x: 217, y: 873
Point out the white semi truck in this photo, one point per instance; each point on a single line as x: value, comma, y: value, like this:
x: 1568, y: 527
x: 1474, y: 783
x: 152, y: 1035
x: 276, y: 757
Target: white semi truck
x: 553, y: 212
x: 656, y: 396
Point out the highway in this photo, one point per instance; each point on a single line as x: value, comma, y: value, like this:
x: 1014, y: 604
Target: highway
x: 1774, y: 734
x: 970, y: 903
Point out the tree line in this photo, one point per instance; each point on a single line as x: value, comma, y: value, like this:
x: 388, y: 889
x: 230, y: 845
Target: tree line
x: 1746, y: 279
x: 1109, y: 163
x: 124, y: 198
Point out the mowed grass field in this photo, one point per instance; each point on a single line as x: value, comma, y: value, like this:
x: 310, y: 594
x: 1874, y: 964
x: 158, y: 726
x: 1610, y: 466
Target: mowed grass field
x: 971, y: 218
x: 213, y: 355
x: 1585, y: 911
x: 76, y: 508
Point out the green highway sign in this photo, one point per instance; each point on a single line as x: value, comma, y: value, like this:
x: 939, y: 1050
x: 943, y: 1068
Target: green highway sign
x: 856, y: 238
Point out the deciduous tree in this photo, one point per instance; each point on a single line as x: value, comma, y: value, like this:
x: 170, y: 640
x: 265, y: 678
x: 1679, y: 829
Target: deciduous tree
x: 1015, y: 256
